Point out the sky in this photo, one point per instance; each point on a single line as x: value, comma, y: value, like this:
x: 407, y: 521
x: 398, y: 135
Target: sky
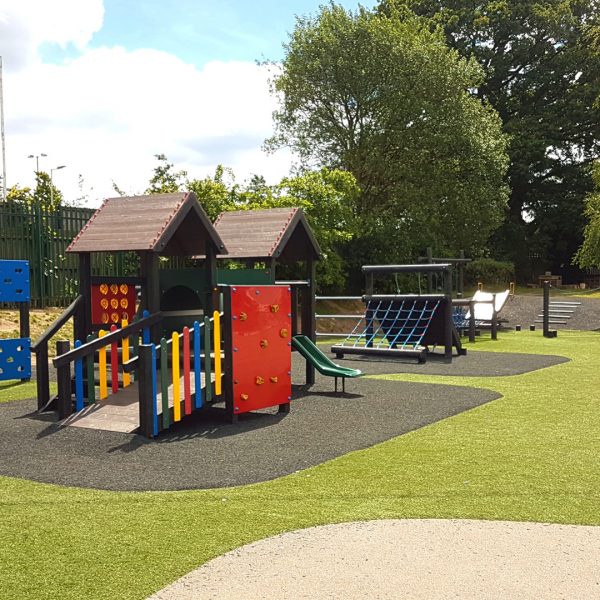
x: 102, y: 86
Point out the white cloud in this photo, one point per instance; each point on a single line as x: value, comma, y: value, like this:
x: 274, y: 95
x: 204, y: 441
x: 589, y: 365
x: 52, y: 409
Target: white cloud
x: 107, y: 113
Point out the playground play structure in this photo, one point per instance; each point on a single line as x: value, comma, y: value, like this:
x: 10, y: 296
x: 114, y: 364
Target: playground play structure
x: 404, y: 324
x: 199, y: 335
x: 15, y: 354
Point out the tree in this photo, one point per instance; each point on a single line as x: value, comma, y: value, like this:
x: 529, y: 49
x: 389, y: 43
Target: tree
x: 588, y: 255
x: 45, y: 194
x: 216, y: 194
x: 386, y: 100
x: 542, y: 74
x: 165, y: 180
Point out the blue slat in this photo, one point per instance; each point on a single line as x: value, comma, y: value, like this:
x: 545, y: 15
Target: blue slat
x: 15, y: 359
x: 14, y: 281
x: 78, y: 380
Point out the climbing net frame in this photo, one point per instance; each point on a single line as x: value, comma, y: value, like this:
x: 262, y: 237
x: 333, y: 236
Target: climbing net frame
x: 392, y: 325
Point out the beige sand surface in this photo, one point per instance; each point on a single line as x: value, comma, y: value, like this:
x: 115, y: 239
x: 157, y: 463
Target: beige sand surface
x: 406, y: 559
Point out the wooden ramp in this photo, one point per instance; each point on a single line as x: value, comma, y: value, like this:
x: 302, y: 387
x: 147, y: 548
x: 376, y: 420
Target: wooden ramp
x: 120, y: 411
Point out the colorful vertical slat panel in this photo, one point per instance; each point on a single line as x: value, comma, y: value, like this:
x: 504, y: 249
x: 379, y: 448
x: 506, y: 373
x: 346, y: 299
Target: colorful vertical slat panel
x: 114, y: 363
x: 78, y: 380
x: 102, y: 368
x: 125, y: 355
x: 217, y: 348
x: 207, y: 361
x: 154, y: 394
x: 164, y: 383
x: 187, y: 384
x: 175, y: 366
x: 91, y: 374
x: 197, y: 366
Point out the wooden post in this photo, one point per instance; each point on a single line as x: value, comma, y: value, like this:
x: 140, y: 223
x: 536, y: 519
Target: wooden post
x: 471, y: 321
x: 63, y: 379
x: 546, y: 311
x: 448, y: 326
x: 228, y: 379
x: 309, y: 321
x: 430, y: 275
x: 494, y: 319
x: 151, y: 298
x: 24, y: 331
x: 82, y: 319
x: 211, y: 276
x: 42, y: 376
x: 294, y: 310
x: 146, y: 389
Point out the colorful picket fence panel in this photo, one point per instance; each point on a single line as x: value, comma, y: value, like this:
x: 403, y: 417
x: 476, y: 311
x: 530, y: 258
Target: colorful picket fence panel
x: 179, y: 377
x: 85, y: 368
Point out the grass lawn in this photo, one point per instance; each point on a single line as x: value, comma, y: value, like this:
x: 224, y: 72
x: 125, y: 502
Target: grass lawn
x: 529, y: 456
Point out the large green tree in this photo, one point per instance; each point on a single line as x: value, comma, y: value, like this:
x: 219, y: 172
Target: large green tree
x: 542, y: 74
x: 588, y: 255
x: 388, y: 101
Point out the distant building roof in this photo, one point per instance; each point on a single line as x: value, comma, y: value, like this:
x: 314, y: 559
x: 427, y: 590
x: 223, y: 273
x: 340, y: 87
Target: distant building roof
x: 280, y: 233
x: 169, y: 224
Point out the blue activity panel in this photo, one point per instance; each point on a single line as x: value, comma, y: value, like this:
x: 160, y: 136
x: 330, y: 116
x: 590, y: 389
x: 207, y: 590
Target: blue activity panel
x: 14, y: 281
x: 15, y: 359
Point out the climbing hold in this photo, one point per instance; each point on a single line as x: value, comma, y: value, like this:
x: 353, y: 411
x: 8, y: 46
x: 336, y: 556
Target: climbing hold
x: 264, y: 343
x: 284, y: 332
x: 259, y: 380
x: 273, y: 379
x: 243, y: 316
x: 274, y: 308
x: 244, y: 397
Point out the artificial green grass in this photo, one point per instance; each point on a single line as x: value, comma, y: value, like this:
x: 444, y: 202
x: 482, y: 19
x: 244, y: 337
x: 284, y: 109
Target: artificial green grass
x: 15, y: 390
x: 530, y: 456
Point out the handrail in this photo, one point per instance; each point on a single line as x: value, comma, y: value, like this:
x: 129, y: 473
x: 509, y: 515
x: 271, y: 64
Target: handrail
x: 53, y: 329
x: 131, y: 365
x: 113, y: 336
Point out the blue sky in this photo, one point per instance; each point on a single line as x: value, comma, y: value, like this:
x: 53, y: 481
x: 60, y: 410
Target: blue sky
x: 102, y: 86
x: 199, y: 31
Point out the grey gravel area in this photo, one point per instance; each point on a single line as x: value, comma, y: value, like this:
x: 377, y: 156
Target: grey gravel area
x: 523, y: 310
x: 416, y: 559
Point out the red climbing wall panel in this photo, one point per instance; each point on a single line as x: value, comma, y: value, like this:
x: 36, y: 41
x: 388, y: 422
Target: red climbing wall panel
x: 262, y: 359
x: 112, y: 303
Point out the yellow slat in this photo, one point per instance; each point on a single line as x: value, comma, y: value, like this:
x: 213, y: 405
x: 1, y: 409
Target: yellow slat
x: 102, y: 368
x: 125, y: 355
x: 217, y: 344
x: 176, y: 384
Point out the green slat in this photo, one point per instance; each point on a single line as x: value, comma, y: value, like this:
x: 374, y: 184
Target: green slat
x: 164, y: 382
x: 207, y: 361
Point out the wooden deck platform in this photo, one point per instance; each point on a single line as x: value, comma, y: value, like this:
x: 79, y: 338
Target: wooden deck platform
x: 120, y: 411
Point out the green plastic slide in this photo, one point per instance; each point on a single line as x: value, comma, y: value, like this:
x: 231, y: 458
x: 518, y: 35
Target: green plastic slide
x: 320, y: 361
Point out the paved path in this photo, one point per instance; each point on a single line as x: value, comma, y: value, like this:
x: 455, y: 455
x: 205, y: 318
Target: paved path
x: 416, y: 559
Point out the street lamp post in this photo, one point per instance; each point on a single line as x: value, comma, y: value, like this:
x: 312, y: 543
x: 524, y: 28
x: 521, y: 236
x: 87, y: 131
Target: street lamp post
x: 37, y: 160
x: 51, y: 186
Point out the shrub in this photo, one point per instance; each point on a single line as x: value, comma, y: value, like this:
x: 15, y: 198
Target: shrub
x: 489, y: 272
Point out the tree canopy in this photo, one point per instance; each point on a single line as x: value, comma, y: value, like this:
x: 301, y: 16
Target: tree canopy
x: 588, y: 255
x: 386, y: 100
x: 542, y: 74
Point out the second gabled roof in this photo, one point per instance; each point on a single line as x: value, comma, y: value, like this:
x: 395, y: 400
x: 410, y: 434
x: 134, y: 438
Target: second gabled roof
x: 169, y: 224
x: 280, y: 233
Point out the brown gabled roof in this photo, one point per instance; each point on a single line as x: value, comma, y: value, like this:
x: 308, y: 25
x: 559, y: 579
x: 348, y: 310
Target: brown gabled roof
x: 280, y: 233
x: 169, y: 224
